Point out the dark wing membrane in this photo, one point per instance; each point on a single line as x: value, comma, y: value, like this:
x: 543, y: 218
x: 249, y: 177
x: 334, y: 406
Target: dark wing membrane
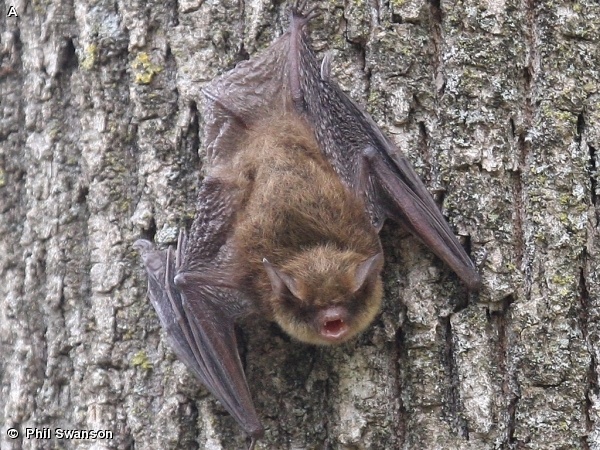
x: 215, y: 348
x: 242, y: 95
x: 197, y: 305
x: 350, y: 139
x: 167, y: 302
x: 410, y: 204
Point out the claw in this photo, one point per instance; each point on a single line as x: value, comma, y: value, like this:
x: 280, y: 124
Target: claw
x: 326, y: 66
x: 181, y: 244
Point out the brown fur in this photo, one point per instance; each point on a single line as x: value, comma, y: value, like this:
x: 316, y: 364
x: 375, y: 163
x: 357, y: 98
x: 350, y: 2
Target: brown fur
x: 301, y: 218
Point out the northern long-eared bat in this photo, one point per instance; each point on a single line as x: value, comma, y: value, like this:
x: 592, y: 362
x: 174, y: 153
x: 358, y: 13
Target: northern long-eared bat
x: 298, y: 184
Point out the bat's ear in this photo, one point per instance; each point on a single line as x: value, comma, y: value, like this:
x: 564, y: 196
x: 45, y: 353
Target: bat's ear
x: 367, y: 271
x: 281, y: 282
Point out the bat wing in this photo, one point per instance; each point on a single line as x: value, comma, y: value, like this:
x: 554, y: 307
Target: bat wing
x: 196, y: 305
x: 365, y: 159
x: 243, y: 94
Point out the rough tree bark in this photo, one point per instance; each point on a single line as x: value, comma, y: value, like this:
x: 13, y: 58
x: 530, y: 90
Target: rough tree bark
x: 497, y: 102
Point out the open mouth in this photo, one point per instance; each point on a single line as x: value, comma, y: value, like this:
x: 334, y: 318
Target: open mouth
x: 334, y: 329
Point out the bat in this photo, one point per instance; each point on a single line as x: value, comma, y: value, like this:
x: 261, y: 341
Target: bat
x: 299, y: 183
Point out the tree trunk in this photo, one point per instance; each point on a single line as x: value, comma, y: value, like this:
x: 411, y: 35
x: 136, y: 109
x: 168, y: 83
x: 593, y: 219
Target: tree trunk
x: 497, y: 103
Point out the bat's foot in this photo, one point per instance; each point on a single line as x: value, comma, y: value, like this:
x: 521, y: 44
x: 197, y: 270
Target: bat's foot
x: 299, y: 6
x: 301, y: 15
x: 256, y: 435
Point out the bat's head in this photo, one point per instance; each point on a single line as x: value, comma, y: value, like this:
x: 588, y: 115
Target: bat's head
x: 326, y: 296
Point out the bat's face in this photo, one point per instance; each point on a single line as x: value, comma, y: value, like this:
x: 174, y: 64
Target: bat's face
x: 326, y: 296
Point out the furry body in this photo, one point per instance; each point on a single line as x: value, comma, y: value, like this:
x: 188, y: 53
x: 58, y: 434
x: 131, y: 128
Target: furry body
x: 299, y: 216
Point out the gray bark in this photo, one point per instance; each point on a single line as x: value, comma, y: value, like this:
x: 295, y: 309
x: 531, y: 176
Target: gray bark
x: 497, y: 103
